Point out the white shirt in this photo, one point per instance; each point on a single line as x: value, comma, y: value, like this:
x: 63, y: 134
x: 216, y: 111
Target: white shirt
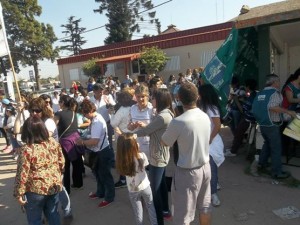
x: 140, y: 181
x: 216, y: 148
x: 101, y: 105
x: 145, y: 116
x: 55, y: 104
x: 98, y: 130
x: 121, y: 120
x: 51, y: 127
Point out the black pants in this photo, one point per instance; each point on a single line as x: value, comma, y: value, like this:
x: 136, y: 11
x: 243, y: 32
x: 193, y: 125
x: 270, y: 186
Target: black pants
x: 76, y: 172
x: 5, y: 136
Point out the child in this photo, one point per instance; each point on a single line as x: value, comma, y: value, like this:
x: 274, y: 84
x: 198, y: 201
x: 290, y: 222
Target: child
x: 131, y: 163
x: 209, y: 103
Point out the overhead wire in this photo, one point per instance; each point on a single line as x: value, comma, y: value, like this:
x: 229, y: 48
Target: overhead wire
x: 96, y: 28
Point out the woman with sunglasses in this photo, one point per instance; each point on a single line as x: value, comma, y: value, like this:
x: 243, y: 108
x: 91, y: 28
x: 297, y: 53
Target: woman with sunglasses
x: 48, y: 101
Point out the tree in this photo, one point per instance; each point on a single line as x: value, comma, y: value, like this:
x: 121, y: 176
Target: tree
x: 154, y: 59
x: 29, y: 40
x: 91, y: 68
x: 73, y: 33
x: 124, y: 17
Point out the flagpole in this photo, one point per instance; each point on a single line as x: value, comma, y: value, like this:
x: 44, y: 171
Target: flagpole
x: 15, y: 77
x: 5, y: 49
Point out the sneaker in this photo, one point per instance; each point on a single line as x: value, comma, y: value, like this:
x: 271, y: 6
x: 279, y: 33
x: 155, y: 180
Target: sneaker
x: 215, y: 201
x: 218, y: 186
x: 93, y: 195
x: 228, y: 153
x: 104, y: 204
x: 7, y: 150
x: 282, y: 175
x: 120, y: 184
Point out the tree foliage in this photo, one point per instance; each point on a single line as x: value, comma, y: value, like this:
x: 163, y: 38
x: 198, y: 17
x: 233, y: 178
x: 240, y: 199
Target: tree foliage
x: 28, y: 39
x: 124, y: 17
x: 73, y: 33
x: 91, y: 68
x: 153, y: 59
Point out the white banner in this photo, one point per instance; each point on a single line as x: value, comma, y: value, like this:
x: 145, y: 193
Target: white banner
x: 4, y: 49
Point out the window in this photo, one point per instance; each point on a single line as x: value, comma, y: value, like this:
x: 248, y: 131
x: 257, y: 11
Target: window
x: 135, y: 66
x: 173, y: 64
x: 74, y: 74
x: 206, y: 56
x: 110, y: 69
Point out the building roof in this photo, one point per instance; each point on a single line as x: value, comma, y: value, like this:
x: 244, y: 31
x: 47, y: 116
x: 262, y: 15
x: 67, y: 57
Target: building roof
x: 128, y: 57
x: 267, y: 14
x: 198, y: 35
x: 171, y: 29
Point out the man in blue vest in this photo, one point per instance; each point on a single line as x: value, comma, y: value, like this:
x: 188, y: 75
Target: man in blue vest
x: 268, y: 112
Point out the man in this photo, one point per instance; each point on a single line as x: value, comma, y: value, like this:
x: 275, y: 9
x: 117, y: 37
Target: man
x: 267, y: 111
x: 191, y: 181
x: 127, y: 80
x: 103, y: 103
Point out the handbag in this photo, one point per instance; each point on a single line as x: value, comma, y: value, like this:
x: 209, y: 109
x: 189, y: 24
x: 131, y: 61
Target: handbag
x: 90, y: 157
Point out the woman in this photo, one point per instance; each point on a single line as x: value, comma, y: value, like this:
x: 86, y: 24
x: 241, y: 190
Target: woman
x: 98, y: 142
x: 39, y: 171
x: 48, y: 101
x: 66, y: 121
x: 209, y: 103
x: 120, y: 120
x: 142, y: 111
x: 291, y: 92
x: 159, y: 154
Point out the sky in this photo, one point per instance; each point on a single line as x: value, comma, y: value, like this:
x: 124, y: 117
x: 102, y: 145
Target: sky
x: 185, y: 14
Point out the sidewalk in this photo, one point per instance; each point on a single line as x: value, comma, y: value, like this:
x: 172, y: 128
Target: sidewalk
x: 245, y: 199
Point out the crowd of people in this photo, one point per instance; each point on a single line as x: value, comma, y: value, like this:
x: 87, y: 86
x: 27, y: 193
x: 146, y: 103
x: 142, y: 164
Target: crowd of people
x: 155, y: 125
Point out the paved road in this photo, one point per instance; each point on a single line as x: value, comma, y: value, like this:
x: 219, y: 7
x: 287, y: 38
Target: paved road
x: 245, y: 199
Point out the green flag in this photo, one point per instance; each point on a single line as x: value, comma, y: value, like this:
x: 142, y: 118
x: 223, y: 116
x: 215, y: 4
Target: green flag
x: 238, y: 56
x: 219, y: 71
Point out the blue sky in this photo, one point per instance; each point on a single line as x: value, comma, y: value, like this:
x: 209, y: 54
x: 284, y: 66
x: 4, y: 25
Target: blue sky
x: 185, y: 14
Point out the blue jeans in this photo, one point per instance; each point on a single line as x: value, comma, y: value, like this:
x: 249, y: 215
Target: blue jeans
x: 214, y: 175
x: 104, y: 178
x: 159, y: 191
x: 236, y: 116
x: 37, y: 204
x: 271, y: 147
x: 65, y: 202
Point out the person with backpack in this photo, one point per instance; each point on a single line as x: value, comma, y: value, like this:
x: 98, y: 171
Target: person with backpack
x: 267, y: 111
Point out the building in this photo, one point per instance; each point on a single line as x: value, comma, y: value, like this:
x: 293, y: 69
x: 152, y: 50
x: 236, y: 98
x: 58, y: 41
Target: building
x: 278, y: 35
x: 187, y: 49
x: 278, y: 30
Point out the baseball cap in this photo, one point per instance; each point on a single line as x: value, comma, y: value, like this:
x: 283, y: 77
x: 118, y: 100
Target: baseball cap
x: 5, y: 101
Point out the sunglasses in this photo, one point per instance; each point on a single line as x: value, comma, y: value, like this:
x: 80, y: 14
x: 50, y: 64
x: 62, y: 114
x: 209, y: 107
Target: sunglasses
x: 35, y: 110
x: 48, y: 102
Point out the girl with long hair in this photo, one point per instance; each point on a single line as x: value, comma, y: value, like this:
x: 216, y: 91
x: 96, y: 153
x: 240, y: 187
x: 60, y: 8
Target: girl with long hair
x: 131, y: 163
x: 210, y: 104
